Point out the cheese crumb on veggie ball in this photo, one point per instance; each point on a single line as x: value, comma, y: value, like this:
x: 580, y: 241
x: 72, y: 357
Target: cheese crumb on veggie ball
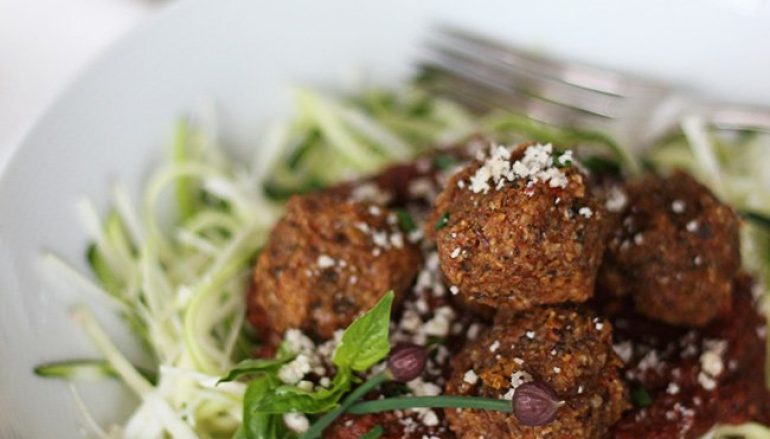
x: 520, y: 228
x: 675, y: 251
x: 327, y: 261
x: 564, y: 352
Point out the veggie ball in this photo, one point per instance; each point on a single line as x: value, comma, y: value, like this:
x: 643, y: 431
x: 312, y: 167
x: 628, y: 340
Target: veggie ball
x: 675, y: 251
x: 520, y: 228
x: 557, y: 366
x: 328, y: 260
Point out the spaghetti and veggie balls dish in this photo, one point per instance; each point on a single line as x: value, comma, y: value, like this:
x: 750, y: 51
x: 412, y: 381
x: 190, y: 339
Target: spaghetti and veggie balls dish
x: 409, y: 268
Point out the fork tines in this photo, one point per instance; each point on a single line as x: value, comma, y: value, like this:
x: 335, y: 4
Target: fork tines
x: 486, y: 74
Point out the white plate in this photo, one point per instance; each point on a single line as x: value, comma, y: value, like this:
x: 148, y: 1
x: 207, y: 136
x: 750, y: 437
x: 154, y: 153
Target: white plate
x: 113, y: 121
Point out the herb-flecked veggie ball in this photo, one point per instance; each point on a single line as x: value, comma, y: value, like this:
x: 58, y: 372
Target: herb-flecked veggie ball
x: 520, y: 228
x: 675, y: 251
x: 328, y: 260
x: 579, y: 392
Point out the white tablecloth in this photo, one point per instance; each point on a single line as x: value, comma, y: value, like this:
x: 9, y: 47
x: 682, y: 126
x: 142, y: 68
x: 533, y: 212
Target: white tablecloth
x: 44, y: 44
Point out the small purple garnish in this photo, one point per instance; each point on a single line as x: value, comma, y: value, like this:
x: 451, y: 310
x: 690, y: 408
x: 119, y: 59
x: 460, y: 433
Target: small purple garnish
x: 535, y: 403
x: 407, y: 361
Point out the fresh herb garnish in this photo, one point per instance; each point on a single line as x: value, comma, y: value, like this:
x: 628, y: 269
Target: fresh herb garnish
x: 601, y: 165
x: 640, y: 397
x: 756, y: 218
x: 374, y: 433
x: 405, y: 221
x: 365, y: 341
x: 363, y: 344
x: 252, y: 366
x: 442, y: 401
x: 444, y: 162
x: 442, y: 221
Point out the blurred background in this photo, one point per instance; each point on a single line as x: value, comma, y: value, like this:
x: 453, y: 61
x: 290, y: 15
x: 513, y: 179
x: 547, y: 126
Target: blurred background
x: 44, y: 43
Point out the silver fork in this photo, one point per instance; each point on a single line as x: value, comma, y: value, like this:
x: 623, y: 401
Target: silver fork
x: 486, y: 74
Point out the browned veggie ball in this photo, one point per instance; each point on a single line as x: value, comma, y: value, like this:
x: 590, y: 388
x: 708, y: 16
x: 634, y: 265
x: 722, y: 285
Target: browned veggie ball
x: 520, y: 229
x: 563, y: 349
x: 327, y: 261
x: 675, y: 251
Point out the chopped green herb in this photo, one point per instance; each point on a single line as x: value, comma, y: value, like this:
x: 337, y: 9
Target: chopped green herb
x: 444, y: 162
x: 757, y: 218
x: 640, y: 397
x: 601, y: 165
x: 405, y: 221
x: 442, y: 221
x: 557, y: 162
x: 374, y: 433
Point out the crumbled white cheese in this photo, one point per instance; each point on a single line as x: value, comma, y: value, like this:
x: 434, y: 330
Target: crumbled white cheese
x: 672, y: 389
x: 454, y: 290
x: 380, y: 238
x: 293, y: 371
x: 325, y: 261
x: 556, y: 369
x: 616, y: 200
x: 470, y: 377
x: 537, y: 165
x: 296, y: 422
x: 375, y: 210
x: 441, y: 322
x: 692, y: 226
x: 706, y: 381
x: 296, y: 341
x: 677, y: 206
x: 624, y: 350
x: 649, y: 361
x: 423, y: 388
x: 410, y: 321
x: 473, y: 331
x: 530, y: 334
x: 455, y: 253
x: 711, y: 363
x: 520, y: 377
x: 371, y: 193
x: 494, y: 346
x: 429, y: 418
x: 586, y: 212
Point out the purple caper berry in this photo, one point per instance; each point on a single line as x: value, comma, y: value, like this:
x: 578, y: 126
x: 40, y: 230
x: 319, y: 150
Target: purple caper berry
x: 535, y: 403
x: 407, y: 361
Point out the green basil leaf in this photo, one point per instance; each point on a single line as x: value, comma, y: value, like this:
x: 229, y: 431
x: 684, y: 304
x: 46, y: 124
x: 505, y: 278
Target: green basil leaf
x: 365, y: 341
x: 285, y: 399
x: 254, y: 365
x: 258, y: 425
